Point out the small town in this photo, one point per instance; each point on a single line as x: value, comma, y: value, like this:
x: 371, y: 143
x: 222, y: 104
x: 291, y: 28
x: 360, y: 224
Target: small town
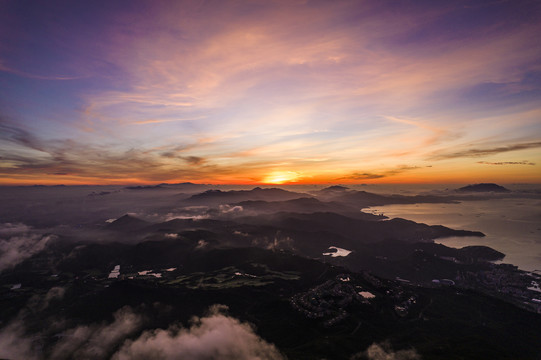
x: 507, y: 282
x: 329, y: 300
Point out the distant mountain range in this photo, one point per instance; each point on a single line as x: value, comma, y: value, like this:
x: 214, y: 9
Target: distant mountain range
x: 216, y: 197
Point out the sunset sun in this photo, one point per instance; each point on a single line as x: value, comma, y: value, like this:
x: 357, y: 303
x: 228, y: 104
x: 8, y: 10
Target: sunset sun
x: 281, y: 177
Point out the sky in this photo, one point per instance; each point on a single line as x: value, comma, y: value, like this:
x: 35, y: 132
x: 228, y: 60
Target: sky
x: 270, y: 92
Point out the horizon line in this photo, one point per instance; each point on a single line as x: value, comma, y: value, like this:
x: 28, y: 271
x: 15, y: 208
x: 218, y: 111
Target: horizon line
x: 269, y: 184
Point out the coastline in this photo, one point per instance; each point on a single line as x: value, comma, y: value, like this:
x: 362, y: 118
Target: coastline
x: 509, y: 225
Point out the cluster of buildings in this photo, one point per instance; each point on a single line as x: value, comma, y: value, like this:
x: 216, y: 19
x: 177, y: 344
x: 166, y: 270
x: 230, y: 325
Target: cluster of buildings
x: 329, y: 300
x: 507, y: 282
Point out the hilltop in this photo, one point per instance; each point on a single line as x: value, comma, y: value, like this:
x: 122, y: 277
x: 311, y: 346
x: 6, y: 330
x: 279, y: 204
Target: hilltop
x: 484, y: 187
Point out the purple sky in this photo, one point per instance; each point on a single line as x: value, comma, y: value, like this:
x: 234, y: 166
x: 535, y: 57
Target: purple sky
x: 270, y: 91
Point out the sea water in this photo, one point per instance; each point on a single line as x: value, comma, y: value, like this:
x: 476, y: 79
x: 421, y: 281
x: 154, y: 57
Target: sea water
x: 511, y: 225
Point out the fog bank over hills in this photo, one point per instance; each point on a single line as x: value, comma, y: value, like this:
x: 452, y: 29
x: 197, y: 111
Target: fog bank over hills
x: 307, y: 223
x: 45, y: 206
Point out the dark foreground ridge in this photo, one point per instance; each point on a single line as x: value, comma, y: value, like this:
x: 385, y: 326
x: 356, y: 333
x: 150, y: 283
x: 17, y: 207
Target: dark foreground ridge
x: 266, y: 273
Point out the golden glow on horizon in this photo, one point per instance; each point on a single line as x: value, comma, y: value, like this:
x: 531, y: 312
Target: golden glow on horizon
x: 450, y: 173
x: 281, y: 177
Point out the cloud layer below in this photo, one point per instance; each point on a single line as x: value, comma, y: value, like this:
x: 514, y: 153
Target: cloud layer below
x: 18, y: 244
x: 213, y: 336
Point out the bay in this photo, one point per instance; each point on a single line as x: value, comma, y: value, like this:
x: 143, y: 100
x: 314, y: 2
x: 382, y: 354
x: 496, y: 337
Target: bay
x: 511, y: 225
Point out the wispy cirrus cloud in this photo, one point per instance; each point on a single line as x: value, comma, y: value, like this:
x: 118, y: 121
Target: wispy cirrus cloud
x: 485, y: 151
x: 525, y: 162
x: 16, y: 135
x: 378, y: 175
x: 36, y: 76
x: 272, y: 83
x: 267, y: 80
x: 86, y: 161
x: 157, y: 121
x: 362, y: 176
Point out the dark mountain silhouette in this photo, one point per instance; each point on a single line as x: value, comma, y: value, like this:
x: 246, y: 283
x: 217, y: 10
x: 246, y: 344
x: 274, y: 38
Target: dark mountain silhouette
x: 187, y: 184
x: 484, y: 187
x: 361, y: 199
x: 185, y: 187
x: 127, y: 223
x: 331, y: 191
x: 335, y: 188
x: 188, y: 224
x: 418, y: 262
x: 361, y: 231
x: 145, y: 187
x: 217, y: 197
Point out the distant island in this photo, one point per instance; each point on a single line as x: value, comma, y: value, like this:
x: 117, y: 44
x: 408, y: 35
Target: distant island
x: 484, y: 187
